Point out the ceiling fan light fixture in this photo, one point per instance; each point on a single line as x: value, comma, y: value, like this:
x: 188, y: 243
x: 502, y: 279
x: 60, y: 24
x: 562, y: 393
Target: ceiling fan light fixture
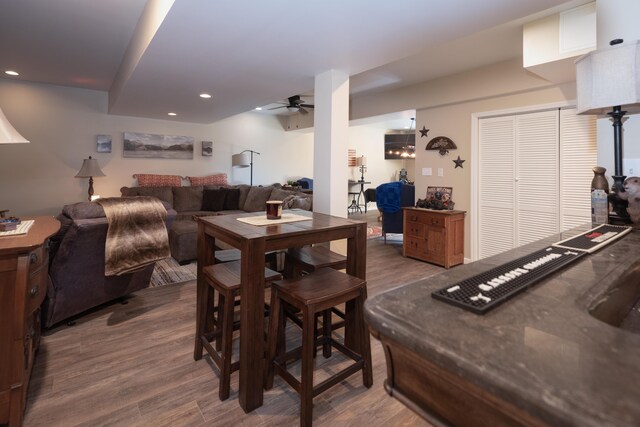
x: 292, y: 108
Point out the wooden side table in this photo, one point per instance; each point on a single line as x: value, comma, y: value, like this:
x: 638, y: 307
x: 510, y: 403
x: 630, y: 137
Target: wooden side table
x: 24, y: 262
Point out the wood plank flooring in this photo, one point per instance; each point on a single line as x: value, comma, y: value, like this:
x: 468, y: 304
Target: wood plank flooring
x: 132, y: 365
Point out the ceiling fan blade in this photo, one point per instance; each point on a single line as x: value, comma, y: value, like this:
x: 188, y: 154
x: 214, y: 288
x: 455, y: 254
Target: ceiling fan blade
x: 302, y: 110
x: 306, y: 105
x: 275, y: 108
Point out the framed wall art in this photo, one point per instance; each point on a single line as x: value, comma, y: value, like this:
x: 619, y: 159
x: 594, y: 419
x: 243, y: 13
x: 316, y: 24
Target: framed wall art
x: 103, y: 143
x: 148, y: 145
x: 207, y: 148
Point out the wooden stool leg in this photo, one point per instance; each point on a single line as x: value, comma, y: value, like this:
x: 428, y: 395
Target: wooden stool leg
x: 227, y: 344
x: 204, y: 313
x: 306, y: 377
x: 219, y: 317
x: 274, y: 336
x: 365, y: 342
x: 326, y: 332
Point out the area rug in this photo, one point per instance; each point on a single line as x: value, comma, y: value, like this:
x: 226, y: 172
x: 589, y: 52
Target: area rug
x: 168, y: 271
x: 374, y: 231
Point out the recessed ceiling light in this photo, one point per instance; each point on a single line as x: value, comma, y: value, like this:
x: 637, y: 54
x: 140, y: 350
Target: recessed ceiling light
x: 172, y: 114
x: 205, y: 95
x: 259, y: 108
x: 11, y: 73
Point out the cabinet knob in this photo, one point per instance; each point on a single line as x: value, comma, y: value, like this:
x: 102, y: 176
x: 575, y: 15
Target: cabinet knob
x: 33, y: 258
x: 34, y: 291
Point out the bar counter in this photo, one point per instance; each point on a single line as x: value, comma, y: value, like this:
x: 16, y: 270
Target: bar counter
x: 540, y: 358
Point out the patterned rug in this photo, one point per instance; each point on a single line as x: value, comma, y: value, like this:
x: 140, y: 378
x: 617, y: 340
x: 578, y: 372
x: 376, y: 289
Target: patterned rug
x: 168, y: 271
x: 374, y: 231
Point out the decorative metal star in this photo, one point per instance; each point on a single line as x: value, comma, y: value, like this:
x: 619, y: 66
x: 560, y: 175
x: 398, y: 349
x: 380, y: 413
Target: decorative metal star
x: 424, y: 131
x: 458, y: 163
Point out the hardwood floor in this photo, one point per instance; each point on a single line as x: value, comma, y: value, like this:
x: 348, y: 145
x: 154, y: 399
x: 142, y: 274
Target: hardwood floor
x: 133, y: 365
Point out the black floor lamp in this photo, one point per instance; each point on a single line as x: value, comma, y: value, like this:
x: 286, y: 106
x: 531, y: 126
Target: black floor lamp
x: 608, y: 82
x: 244, y: 159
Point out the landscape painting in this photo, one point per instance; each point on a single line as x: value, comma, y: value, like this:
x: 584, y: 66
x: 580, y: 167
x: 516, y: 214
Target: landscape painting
x: 147, y: 145
x: 103, y: 143
x: 207, y: 148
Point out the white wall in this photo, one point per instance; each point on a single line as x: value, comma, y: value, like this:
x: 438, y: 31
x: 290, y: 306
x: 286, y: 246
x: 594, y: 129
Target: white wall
x: 62, y: 124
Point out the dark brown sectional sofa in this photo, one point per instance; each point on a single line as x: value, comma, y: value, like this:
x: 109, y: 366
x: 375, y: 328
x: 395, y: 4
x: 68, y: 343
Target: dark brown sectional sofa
x: 190, y: 201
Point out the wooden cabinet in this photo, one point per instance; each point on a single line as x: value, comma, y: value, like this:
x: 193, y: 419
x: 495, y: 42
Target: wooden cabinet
x: 434, y: 236
x: 24, y: 260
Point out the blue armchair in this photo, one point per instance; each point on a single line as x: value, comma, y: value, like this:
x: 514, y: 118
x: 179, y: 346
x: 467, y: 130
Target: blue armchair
x: 390, y: 199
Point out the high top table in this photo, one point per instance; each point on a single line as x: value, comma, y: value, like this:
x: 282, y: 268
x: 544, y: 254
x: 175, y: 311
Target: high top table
x: 253, y: 241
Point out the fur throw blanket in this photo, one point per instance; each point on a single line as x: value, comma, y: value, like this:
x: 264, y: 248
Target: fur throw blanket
x: 137, y: 235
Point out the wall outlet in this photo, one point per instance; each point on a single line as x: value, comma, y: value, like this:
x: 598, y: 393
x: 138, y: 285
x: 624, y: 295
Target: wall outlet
x: 631, y: 167
x: 440, y: 172
x: 427, y: 172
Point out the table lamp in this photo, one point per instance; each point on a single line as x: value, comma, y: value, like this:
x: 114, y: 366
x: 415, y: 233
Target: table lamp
x: 361, y: 162
x: 608, y: 82
x: 89, y: 169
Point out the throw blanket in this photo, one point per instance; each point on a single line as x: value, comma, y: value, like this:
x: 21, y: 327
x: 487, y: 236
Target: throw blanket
x: 388, y: 197
x: 137, y: 235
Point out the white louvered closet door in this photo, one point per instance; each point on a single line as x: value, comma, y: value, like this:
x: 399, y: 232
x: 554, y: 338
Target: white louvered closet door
x: 496, y: 220
x: 537, y: 176
x: 578, y: 156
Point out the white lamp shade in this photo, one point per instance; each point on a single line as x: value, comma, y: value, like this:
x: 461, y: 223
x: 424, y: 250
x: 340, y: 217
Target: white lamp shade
x: 361, y: 161
x: 241, y: 160
x: 8, y: 134
x: 609, y: 77
x: 90, y: 168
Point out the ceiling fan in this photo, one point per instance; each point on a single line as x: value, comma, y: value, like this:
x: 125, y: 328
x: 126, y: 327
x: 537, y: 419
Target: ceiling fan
x: 295, y: 105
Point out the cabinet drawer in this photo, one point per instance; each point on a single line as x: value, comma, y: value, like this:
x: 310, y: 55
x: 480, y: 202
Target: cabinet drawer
x: 415, y: 229
x: 36, y: 290
x: 38, y: 257
x: 414, y: 247
x: 434, y: 220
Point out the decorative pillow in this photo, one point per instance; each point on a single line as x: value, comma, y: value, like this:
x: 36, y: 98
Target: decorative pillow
x: 213, y: 200
x: 187, y: 198
x: 297, y: 202
x: 244, y: 191
x: 232, y: 199
x: 151, y: 180
x: 217, y: 179
x: 257, y: 199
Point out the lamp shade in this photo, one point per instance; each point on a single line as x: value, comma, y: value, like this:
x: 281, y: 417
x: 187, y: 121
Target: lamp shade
x: 8, y: 134
x: 89, y: 169
x: 241, y: 160
x: 608, y: 78
x: 361, y: 161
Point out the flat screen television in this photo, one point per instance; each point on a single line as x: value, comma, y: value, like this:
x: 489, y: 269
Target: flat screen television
x: 399, y: 146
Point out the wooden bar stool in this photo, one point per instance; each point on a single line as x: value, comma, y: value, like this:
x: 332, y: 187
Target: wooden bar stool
x: 315, y: 293
x: 224, y: 278
x: 309, y: 259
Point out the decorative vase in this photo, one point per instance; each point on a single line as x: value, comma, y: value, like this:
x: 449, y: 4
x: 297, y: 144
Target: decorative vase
x: 599, y: 182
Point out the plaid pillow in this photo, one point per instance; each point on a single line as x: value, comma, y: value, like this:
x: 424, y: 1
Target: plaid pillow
x: 217, y: 179
x: 151, y: 180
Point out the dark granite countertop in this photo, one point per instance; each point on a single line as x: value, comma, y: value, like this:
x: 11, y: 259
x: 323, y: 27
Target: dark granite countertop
x: 542, y: 350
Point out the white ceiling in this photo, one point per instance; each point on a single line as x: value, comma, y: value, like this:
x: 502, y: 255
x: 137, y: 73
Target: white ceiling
x: 250, y: 53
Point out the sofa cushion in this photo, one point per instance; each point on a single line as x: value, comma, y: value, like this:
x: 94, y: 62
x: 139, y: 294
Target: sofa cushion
x: 244, y: 192
x: 163, y: 193
x: 216, y: 179
x: 257, y: 199
x: 297, y: 202
x: 152, y: 180
x: 213, y: 200
x: 232, y: 199
x: 187, y: 198
x: 280, y: 194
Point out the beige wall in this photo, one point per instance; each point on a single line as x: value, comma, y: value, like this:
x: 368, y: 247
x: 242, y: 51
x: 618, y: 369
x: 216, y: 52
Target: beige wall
x: 62, y: 124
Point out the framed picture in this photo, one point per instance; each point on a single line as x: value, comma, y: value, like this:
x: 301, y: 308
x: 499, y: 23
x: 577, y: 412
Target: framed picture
x: 444, y: 193
x: 207, y: 148
x: 148, y: 145
x: 103, y: 143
